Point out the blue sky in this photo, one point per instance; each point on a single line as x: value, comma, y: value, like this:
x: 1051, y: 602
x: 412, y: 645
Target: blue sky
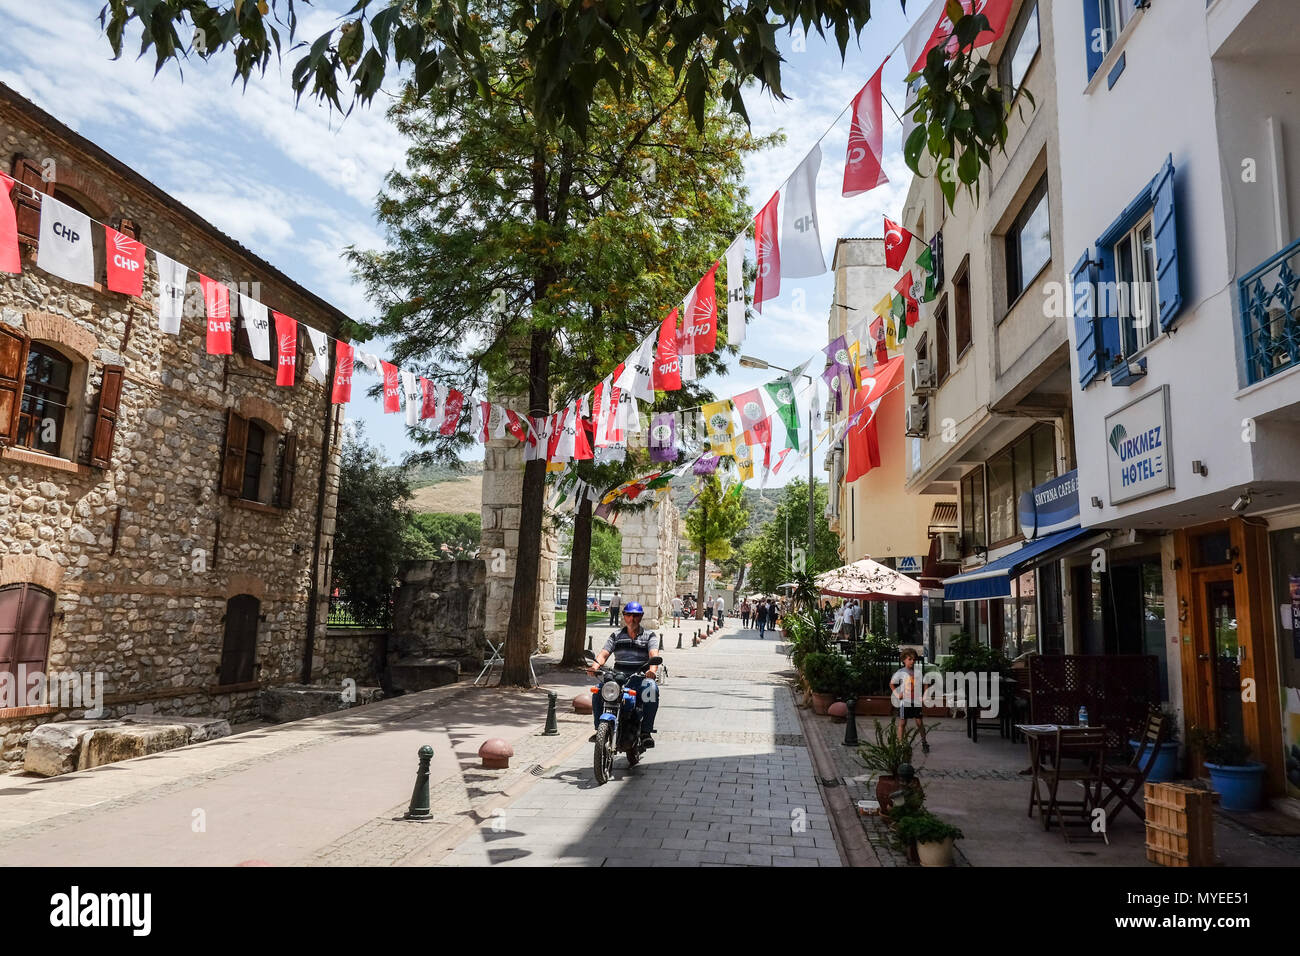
x: 297, y: 184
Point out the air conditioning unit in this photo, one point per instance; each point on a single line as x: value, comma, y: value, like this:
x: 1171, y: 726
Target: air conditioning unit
x: 918, y: 414
x: 922, y: 377
x: 949, y: 547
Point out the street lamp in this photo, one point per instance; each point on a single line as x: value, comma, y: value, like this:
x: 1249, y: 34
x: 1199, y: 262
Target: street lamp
x: 748, y: 361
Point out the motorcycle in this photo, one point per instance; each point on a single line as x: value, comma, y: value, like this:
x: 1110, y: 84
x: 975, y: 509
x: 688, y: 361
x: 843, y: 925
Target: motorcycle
x: 619, y: 730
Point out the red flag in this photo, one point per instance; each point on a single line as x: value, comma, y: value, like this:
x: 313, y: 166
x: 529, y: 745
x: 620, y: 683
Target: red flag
x: 515, y: 425
x: 581, y: 446
x: 451, y: 417
x: 862, y: 439
x: 216, y: 301
x: 392, y: 390
x: 904, y: 288
x: 428, y: 398
x: 897, y: 242
x: 701, y: 326
x: 996, y: 11
x: 768, y: 284
x: 862, y: 169
x: 753, y: 416
x: 668, y: 363
x: 556, y: 428
x: 286, y: 335
x: 10, y: 260
x: 124, y: 258
x: 342, y: 374
x: 612, y: 432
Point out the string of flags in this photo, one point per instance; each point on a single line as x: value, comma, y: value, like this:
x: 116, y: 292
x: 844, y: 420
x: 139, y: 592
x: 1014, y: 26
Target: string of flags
x: 596, y: 426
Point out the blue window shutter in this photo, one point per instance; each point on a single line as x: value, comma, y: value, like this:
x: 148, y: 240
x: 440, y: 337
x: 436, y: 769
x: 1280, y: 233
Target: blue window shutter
x: 1092, y: 34
x: 1083, y: 292
x: 1164, y: 228
x: 1110, y: 347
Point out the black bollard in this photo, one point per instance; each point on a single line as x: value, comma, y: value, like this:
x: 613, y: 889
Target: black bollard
x: 679, y: 640
x: 419, y: 808
x: 552, y: 728
x: 850, y: 723
x: 588, y: 642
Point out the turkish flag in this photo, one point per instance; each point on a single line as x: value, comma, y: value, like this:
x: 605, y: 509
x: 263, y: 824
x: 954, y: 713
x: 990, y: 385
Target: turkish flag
x: 862, y: 439
x: 10, y: 260
x: 768, y: 284
x: 862, y: 169
x: 286, y: 337
x: 124, y: 257
x: 897, y: 242
x: 701, y: 323
x: 904, y: 288
x: 216, y: 302
x: 392, y: 390
x: 343, y: 361
x: 451, y: 416
x: 668, y: 363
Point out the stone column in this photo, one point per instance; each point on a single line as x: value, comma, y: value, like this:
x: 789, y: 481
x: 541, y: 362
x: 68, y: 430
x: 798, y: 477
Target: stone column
x: 503, y: 487
x: 650, y: 543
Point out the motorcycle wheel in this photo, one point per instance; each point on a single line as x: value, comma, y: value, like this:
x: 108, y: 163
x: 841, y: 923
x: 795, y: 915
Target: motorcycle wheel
x: 603, y: 761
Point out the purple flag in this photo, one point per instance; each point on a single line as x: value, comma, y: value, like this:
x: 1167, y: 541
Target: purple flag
x: 707, y: 465
x: 836, y: 375
x: 663, y: 437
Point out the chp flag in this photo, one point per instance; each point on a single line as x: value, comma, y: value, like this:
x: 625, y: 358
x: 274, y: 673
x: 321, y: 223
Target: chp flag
x: 124, y: 259
x: 736, y: 291
x: 801, y: 243
x: 862, y: 166
x: 216, y: 305
x: 768, y: 249
x: 320, y: 351
x: 65, y: 246
x: 172, y: 276
x: 286, y: 338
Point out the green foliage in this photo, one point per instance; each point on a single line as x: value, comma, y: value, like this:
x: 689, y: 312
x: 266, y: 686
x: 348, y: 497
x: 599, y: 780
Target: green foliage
x: 827, y: 673
x: 873, y: 661
x: 371, y: 534
x: 441, y: 536
x: 804, y: 636
x: 606, y: 554
x: 925, y: 828
x: 1218, y: 747
x: 968, y: 654
x: 713, y: 519
x: 889, y: 751
x: 767, y: 553
x: 879, y: 620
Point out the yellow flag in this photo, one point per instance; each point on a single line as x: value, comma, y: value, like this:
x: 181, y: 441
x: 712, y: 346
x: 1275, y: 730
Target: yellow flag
x: 891, y: 333
x: 882, y: 307
x: 744, y: 453
x: 854, y: 351
x: 719, y: 428
x: 552, y: 466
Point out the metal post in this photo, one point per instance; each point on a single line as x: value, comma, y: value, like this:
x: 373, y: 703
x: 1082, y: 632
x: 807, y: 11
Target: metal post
x: 679, y: 640
x: 419, y: 808
x: 812, y: 523
x: 552, y: 727
x: 851, y: 723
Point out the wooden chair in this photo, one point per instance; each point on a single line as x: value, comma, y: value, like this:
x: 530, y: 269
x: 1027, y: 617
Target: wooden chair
x: 1125, y: 781
x: 1079, y: 757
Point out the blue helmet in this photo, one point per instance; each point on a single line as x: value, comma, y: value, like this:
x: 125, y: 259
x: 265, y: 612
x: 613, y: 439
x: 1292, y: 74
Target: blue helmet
x: 632, y: 607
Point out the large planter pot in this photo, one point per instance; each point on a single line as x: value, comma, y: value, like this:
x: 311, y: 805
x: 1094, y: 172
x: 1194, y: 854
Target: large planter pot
x: 873, y: 707
x: 1166, y: 766
x: 1239, y: 788
x: 821, y: 703
x: 935, y: 854
x: 885, y: 787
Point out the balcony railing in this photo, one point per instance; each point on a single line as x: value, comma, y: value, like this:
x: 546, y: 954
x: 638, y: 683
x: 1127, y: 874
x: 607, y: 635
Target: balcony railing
x: 1270, y: 314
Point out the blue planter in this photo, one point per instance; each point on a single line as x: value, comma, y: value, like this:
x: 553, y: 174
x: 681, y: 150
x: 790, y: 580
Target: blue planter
x: 1166, y: 765
x: 1240, y: 788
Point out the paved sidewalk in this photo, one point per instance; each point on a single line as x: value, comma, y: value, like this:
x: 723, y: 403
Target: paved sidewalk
x: 729, y: 782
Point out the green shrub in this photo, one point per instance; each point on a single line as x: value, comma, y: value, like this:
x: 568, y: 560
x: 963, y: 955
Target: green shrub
x: 827, y: 673
x: 926, y: 828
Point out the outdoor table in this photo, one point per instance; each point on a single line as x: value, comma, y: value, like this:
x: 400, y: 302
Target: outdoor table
x: 1035, y: 735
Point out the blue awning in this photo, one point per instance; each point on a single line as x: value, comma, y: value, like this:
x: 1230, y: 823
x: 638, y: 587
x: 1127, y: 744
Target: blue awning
x: 993, y: 580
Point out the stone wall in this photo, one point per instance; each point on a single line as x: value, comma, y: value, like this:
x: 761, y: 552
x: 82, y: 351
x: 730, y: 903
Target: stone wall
x: 355, y: 653
x: 651, y: 539
x: 439, y: 612
x: 143, y: 555
x: 503, y: 485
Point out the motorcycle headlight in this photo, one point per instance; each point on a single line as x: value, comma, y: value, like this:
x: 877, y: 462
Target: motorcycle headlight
x: 610, y: 691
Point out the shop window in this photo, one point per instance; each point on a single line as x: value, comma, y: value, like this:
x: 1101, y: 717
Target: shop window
x: 1020, y: 467
x: 974, y: 534
x: 239, y: 645
x: 26, y: 612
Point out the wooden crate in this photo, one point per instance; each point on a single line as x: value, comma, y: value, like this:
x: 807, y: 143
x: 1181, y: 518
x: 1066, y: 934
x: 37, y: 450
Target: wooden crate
x: 1180, y: 825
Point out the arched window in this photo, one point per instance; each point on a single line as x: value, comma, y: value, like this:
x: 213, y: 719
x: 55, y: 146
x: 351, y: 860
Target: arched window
x: 25, y: 615
x: 45, y: 399
x: 239, y: 646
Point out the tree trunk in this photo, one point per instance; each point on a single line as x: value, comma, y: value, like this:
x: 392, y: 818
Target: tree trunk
x: 579, y: 577
x: 521, y: 632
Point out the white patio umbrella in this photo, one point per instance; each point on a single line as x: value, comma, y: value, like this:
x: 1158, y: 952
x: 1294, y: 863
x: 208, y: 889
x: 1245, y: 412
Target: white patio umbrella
x: 870, y: 581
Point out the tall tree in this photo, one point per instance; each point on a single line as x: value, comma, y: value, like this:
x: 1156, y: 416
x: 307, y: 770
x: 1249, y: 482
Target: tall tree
x: 511, y: 245
x: 771, y: 553
x: 710, y: 523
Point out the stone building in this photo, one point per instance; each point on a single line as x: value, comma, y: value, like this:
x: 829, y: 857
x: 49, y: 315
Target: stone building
x: 165, y: 514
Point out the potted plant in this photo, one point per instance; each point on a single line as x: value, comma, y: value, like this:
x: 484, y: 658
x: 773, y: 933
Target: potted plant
x: 933, y: 837
x: 1238, y: 779
x: 1166, y: 766
x: 828, y: 677
x: 884, y: 757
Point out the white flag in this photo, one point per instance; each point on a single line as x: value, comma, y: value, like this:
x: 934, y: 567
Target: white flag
x: 920, y: 32
x: 411, y: 387
x: 636, y: 370
x: 320, y: 347
x: 801, y: 243
x: 65, y: 249
x: 171, y: 294
x: 258, y: 326
x: 439, y: 406
x: 736, y: 290
x: 369, y: 359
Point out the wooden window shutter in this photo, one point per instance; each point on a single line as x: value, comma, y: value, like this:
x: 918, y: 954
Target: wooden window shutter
x: 127, y: 227
x: 13, y: 373
x: 288, y: 468
x: 232, y: 464
x: 27, y: 207
x: 110, y: 397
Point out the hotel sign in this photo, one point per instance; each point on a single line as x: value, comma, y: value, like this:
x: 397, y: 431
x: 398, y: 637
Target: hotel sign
x: 1138, y: 453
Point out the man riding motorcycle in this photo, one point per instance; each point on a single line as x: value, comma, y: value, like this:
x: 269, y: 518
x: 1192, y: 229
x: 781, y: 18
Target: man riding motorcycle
x: 631, y: 648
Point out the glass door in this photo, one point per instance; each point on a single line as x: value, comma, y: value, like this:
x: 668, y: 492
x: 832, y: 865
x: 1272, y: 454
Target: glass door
x: 1225, y: 655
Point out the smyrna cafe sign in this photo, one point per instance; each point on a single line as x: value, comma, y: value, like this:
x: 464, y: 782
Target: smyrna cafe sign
x: 1138, y: 453
x: 1050, y: 507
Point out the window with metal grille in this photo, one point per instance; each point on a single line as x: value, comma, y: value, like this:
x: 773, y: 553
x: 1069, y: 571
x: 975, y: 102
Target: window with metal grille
x: 25, y: 615
x: 45, y: 399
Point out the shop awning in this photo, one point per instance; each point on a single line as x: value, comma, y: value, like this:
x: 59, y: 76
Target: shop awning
x: 994, y: 579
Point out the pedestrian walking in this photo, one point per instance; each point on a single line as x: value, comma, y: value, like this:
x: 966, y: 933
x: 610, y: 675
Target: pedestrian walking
x: 907, y: 696
x: 744, y: 613
x: 677, y: 612
x: 760, y: 619
x: 719, y: 611
x: 614, y: 609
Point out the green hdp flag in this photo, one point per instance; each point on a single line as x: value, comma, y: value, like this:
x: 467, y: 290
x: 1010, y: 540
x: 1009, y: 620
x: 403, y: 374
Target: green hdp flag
x: 782, y: 394
x: 654, y: 484
x: 898, y: 308
x: 926, y: 261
